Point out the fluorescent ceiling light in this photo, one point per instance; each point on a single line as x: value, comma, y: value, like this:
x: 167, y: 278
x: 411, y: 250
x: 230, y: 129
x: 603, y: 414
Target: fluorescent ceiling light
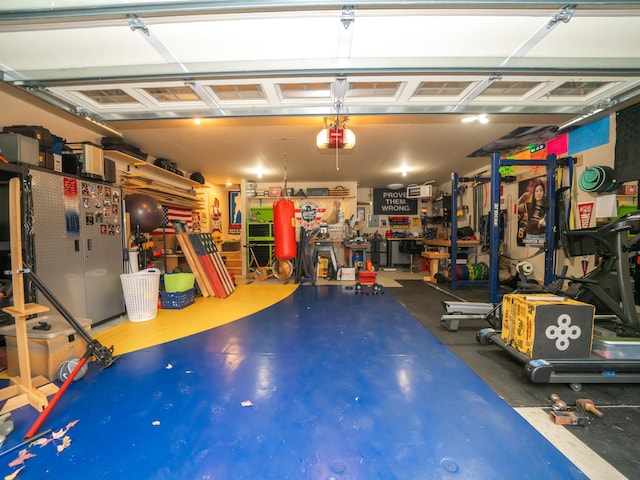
x: 482, y: 118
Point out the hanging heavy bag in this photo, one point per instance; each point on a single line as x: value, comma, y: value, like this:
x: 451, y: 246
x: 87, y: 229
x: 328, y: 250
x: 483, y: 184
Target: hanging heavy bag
x: 284, y: 232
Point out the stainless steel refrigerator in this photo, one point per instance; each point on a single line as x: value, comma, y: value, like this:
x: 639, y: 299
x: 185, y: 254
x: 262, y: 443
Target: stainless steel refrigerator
x: 78, y: 243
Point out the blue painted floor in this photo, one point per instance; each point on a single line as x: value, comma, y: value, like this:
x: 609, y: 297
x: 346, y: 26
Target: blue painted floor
x: 342, y: 387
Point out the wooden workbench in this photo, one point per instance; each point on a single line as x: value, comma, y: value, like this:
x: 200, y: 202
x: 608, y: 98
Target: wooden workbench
x: 441, y: 242
x: 435, y: 257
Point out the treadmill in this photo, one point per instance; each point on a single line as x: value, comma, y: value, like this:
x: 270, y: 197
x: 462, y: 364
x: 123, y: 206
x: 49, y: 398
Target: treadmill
x: 608, y: 287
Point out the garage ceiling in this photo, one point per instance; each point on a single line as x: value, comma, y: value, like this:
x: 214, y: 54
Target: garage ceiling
x: 264, y: 77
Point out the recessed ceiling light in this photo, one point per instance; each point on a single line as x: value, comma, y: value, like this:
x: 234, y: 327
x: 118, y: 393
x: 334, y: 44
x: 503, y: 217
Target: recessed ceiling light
x: 395, y: 186
x: 482, y: 118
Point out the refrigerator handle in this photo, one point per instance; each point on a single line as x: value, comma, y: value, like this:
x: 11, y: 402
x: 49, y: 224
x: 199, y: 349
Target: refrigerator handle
x: 89, y: 244
x: 76, y: 244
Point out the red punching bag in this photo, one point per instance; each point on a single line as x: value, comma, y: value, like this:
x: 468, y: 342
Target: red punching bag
x: 284, y: 231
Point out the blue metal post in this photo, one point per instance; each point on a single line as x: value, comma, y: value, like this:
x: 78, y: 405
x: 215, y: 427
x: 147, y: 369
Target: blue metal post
x: 550, y: 163
x: 494, y: 230
x: 454, y: 230
x: 550, y: 230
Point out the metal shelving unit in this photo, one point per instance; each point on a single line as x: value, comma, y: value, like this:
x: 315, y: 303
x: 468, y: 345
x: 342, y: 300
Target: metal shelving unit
x: 454, y: 250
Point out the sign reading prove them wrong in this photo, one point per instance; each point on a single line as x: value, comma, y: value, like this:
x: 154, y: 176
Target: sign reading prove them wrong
x: 393, y: 202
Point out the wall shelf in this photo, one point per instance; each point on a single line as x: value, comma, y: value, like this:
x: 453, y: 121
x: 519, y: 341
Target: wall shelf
x: 294, y: 198
x: 164, y: 193
x: 167, y: 187
x: 139, y: 167
x: 627, y: 198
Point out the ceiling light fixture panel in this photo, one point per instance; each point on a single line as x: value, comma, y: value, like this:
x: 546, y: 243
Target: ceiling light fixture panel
x: 481, y: 118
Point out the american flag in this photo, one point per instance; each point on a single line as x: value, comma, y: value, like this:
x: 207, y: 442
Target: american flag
x: 169, y: 214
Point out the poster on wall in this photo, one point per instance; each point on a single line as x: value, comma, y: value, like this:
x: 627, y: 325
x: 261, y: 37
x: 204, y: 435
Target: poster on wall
x: 196, y: 223
x: 309, y: 213
x: 360, y: 215
x: 215, y: 212
x: 393, y: 202
x: 235, y: 213
x: 533, y: 205
x: 584, y: 214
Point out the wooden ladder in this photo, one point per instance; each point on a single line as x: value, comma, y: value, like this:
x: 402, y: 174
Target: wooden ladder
x: 24, y: 390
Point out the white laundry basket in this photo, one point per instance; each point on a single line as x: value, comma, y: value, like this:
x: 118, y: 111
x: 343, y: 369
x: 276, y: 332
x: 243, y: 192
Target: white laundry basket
x: 141, y: 291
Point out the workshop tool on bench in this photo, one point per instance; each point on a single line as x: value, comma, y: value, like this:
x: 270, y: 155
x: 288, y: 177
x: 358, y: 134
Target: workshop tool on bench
x: 586, y: 405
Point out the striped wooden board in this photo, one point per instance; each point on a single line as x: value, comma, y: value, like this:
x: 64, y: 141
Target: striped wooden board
x: 212, y: 263
x: 194, y: 265
x: 212, y: 249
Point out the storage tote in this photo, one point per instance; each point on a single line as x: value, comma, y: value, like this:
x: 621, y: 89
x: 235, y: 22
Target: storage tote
x: 177, y: 300
x: 48, y: 348
x: 179, y: 282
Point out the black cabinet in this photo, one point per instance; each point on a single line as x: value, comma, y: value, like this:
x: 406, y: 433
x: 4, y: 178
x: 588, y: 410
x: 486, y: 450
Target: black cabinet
x: 259, y: 232
x: 260, y: 236
x: 379, y: 252
x: 442, y: 207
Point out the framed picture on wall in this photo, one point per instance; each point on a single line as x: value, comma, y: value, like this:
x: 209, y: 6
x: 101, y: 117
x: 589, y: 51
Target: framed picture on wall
x: 235, y: 213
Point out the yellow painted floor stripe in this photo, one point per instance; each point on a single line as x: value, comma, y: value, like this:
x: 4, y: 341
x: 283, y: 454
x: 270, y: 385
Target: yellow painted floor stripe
x: 204, y: 314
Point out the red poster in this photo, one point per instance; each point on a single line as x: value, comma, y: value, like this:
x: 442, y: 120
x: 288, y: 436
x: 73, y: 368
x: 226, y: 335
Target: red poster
x: 70, y: 186
x: 584, y: 212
